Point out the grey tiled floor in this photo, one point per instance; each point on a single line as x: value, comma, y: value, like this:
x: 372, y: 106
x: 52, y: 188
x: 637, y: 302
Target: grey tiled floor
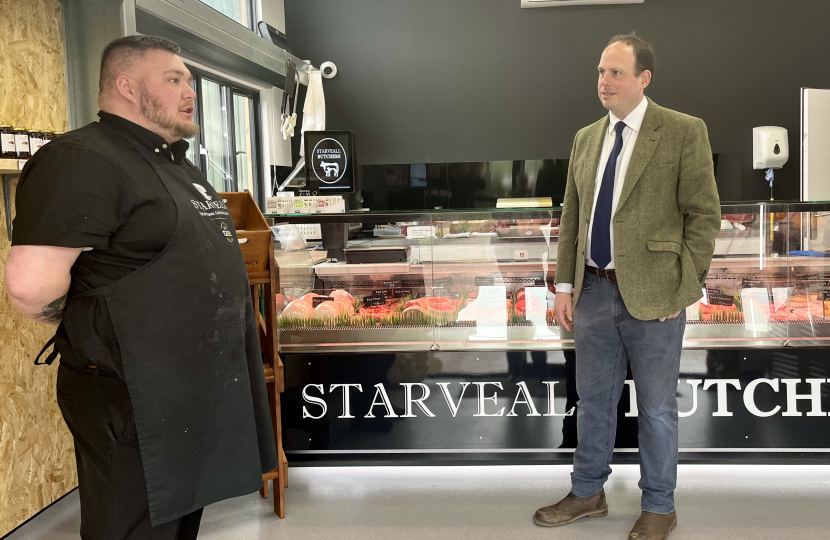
x: 482, y: 503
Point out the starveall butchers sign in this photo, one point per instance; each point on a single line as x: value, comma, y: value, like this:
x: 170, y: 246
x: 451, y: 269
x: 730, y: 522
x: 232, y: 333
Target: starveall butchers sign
x: 489, y: 394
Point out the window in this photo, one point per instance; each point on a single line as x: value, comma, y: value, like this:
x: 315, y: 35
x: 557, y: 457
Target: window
x: 226, y: 150
x: 241, y: 11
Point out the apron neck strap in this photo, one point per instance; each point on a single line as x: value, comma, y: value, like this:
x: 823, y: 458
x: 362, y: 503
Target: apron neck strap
x: 52, y: 356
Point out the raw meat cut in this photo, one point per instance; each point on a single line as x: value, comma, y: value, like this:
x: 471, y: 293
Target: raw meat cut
x: 299, y: 309
x: 330, y: 309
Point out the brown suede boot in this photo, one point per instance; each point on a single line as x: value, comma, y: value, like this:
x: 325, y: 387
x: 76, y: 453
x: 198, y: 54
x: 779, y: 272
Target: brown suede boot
x: 653, y: 526
x: 570, y: 509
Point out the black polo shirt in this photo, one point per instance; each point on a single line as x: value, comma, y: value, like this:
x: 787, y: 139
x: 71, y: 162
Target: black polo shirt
x: 76, y: 192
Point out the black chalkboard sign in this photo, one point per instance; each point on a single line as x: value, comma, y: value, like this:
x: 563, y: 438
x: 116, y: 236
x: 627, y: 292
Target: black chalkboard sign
x: 330, y: 161
x: 401, y: 293
x: 718, y: 299
x: 386, y: 293
x: 374, y: 300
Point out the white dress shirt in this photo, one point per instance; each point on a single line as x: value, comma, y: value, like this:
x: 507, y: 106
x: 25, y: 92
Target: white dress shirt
x: 633, y: 123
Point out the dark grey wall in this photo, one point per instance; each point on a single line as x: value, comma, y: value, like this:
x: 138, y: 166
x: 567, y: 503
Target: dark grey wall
x: 483, y: 80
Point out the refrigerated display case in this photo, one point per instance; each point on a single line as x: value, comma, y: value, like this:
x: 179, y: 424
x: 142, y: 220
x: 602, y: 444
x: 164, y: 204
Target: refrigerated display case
x: 452, y: 354
x: 484, y: 280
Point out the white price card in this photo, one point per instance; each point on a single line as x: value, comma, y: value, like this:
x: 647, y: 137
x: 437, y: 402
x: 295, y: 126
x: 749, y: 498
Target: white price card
x: 279, y: 205
x: 420, y: 231
x: 536, y: 305
x: 491, y: 316
x: 755, y: 305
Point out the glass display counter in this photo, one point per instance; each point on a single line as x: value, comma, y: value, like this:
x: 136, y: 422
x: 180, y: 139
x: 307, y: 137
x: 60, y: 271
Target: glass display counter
x: 484, y: 280
x: 429, y: 338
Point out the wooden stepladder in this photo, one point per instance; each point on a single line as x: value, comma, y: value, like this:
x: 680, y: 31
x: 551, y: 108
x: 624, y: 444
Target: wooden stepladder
x: 257, y: 244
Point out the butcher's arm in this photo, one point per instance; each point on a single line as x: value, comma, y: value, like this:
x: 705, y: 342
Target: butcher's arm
x: 37, y: 280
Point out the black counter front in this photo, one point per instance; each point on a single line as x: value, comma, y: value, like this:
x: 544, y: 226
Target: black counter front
x: 464, y: 362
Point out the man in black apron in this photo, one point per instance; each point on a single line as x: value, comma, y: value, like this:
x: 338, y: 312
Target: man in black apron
x: 121, y: 240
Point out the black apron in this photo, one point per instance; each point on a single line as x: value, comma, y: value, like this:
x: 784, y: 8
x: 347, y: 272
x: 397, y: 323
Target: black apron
x: 187, y: 338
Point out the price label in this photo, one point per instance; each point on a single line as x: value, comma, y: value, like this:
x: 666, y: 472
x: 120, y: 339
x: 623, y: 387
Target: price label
x: 386, y: 293
x: 485, y: 281
x: 392, y: 284
x: 494, y: 298
x: 442, y: 281
x: 401, y: 293
x: 718, y: 299
x: 374, y: 300
x: 317, y: 300
x: 441, y: 292
x: 536, y: 304
x: 424, y: 231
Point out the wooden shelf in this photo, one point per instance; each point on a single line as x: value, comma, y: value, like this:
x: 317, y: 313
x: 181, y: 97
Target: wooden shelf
x: 9, y: 166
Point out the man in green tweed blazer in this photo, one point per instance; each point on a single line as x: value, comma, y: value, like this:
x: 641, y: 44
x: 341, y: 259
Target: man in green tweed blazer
x: 636, y: 238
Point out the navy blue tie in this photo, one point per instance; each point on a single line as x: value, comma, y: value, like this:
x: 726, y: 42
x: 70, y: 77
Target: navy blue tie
x: 601, y: 232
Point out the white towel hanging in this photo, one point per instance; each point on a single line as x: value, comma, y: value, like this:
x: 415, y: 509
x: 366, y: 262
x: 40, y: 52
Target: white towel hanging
x: 314, y: 108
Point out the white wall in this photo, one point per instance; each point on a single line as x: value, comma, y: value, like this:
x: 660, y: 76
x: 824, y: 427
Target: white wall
x: 272, y: 12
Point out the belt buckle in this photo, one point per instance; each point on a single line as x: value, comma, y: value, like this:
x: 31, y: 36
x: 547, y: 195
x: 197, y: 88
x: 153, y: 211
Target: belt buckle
x: 608, y: 276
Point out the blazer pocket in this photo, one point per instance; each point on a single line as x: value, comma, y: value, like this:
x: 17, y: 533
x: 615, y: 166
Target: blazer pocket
x: 663, y: 245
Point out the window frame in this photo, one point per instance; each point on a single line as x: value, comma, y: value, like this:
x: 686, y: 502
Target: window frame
x: 233, y: 88
x: 252, y: 15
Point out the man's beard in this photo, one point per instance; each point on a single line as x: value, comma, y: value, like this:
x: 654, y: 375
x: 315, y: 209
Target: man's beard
x: 152, y: 109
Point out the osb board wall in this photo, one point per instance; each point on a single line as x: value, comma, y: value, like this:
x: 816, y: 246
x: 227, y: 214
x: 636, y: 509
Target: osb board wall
x: 32, y: 75
x: 37, y: 464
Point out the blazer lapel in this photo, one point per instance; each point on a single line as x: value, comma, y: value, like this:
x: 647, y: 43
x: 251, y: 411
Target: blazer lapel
x: 593, y: 147
x: 646, y: 144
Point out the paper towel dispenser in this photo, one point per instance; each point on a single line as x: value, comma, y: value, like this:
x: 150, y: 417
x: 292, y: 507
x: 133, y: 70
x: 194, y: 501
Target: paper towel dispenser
x: 770, y: 149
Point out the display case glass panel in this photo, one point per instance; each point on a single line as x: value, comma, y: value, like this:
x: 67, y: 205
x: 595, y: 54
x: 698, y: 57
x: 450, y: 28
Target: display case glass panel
x: 484, y: 280
x: 809, y: 268
x: 494, y: 276
x: 362, y: 302
x: 747, y: 290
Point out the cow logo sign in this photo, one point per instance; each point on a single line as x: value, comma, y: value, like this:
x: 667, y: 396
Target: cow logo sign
x: 328, y: 161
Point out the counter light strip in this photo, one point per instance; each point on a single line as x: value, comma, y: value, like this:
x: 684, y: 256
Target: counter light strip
x: 548, y: 451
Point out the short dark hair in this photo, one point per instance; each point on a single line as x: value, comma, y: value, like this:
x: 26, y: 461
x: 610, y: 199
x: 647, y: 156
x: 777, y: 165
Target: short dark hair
x: 122, y: 52
x: 643, y: 52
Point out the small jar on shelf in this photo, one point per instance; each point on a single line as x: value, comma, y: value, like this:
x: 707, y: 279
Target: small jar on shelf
x: 35, y: 141
x: 21, y: 142
x: 7, y: 147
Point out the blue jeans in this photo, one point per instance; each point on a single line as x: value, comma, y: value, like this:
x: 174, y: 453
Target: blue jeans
x: 607, y: 336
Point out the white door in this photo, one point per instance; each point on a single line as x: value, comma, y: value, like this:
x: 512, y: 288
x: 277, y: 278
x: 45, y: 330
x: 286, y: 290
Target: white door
x: 815, y: 145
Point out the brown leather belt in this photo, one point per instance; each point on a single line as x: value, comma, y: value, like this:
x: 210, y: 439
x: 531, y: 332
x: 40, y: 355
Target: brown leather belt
x: 610, y: 275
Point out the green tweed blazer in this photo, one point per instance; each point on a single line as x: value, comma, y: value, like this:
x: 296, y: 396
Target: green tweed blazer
x: 666, y: 220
